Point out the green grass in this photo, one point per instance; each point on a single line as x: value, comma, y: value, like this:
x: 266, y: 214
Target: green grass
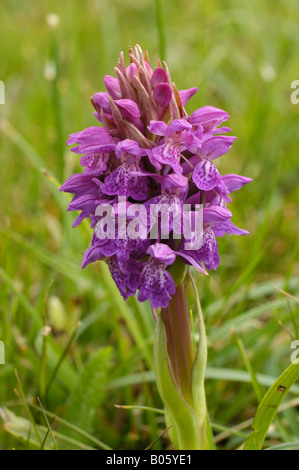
x: 243, y: 56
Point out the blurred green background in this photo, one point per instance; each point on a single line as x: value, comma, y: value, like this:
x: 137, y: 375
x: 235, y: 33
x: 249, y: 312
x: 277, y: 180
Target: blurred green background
x: 243, y: 56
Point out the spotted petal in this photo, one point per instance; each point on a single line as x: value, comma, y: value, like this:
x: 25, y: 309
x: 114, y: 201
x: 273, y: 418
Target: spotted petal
x: 157, y: 284
x: 206, y: 176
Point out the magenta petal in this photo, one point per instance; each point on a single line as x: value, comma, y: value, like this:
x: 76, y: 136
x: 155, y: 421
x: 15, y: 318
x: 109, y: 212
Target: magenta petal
x: 123, y: 182
x: 228, y: 227
x: 217, y: 146
x: 206, y: 176
x: 168, y: 154
x: 214, y: 214
x: 163, y: 95
x: 128, y: 147
x: 79, y: 183
x: 186, y: 95
x: 209, y: 117
x: 113, y: 88
x: 235, y: 182
x: 102, y: 101
x: 95, y: 163
x: 174, y: 180
x: 157, y: 127
x: 159, y: 76
x: 177, y: 125
x: 131, y: 72
x: 128, y: 109
x: 162, y: 253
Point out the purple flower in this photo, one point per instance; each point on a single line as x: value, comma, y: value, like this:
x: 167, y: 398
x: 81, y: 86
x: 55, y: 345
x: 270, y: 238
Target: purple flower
x: 156, y: 283
x: 144, y: 162
x: 169, y: 151
x: 123, y: 181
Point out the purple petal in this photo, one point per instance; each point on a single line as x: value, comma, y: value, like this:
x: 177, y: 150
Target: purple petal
x: 229, y: 228
x: 215, y: 214
x: 92, y: 254
x: 94, y: 163
x: 235, y: 182
x: 157, y: 127
x: 128, y: 109
x: 125, y: 277
x: 217, y: 146
x: 191, y: 258
x: 159, y: 76
x: 128, y: 147
x: 79, y: 183
x: 206, y: 176
x: 209, y: 117
x: 86, y: 202
x: 131, y: 72
x: 92, y: 139
x: 186, y: 95
x: 113, y: 88
x: 157, y: 284
x: 163, y: 95
x: 123, y: 182
x: 168, y: 154
x: 102, y: 100
x: 209, y: 252
x: 177, y: 125
x: 162, y: 253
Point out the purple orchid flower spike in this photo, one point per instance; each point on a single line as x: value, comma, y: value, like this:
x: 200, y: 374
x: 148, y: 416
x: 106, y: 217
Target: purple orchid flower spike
x: 157, y: 203
x: 148, y: 151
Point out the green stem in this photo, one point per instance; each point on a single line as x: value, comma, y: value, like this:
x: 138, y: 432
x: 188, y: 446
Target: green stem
x: 179, y: 341
x: 180, y: 370
x: 160, y: 26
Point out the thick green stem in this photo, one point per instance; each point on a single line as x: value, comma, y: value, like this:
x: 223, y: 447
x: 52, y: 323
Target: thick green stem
x: 179, y: 341
x: 180, y: 370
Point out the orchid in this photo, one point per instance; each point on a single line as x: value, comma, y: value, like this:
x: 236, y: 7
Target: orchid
x: 150, y: 151
x: 157, y: 204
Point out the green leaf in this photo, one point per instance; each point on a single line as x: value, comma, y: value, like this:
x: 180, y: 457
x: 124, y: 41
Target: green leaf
x: 269, y: 407
x: 90, y: 391
x: 286, y: 446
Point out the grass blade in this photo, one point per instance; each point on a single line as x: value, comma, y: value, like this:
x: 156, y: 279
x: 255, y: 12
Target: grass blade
x: 269, y: 407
